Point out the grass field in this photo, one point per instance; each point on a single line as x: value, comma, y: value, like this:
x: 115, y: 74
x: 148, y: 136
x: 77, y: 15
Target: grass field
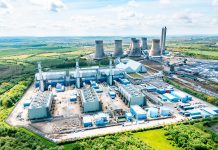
x: 156, y: 139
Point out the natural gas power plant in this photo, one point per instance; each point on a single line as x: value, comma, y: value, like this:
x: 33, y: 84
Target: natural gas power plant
x: 77, y: 102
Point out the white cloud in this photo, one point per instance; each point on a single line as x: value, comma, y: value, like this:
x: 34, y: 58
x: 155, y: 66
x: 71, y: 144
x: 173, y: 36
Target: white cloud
x: 3, y: 4
x: 165, y: 1
x: 56, y: 5
x: 5, y: 8
x: 51, y: 5
x: 215, y: 2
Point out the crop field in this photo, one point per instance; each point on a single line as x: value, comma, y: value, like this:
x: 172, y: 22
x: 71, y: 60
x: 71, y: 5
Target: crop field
x: 205, y: 49
x: 18, y: 62
x: 156, y: 139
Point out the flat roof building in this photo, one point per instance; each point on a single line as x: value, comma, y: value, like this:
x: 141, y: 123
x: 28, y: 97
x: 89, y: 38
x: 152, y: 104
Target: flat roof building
x: 90, y: 100
x: 130, y: 95
x: 40, y: 106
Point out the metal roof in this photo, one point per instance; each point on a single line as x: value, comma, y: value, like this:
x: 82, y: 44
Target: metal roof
x: 41, y: 99
x: 89, y: 95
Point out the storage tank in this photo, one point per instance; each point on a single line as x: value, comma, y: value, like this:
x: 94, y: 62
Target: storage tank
x: 155, y: 48
x: 99, y: 53
x: 144, y: 45
x: 135, y: 50
x: 118, y: 51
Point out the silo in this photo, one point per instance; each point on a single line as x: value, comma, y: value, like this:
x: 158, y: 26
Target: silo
x: 99, y: 53
x: 144, y: 45
x: 155, y: 48
x: 135, y: 50
x: 118, y: 51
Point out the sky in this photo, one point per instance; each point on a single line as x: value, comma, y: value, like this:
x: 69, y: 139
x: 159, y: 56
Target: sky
x: 107, y: 17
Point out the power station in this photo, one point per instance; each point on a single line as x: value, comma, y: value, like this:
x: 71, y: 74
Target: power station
x: 78, y: 102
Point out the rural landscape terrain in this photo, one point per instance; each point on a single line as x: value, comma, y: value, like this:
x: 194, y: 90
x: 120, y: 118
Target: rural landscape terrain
x: 18, y: 64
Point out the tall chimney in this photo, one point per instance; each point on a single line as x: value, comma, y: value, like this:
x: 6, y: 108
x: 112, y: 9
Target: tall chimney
x: 163, y: 40
x: 118, y: 51
x: 155, y: 48
x: 99, y: 53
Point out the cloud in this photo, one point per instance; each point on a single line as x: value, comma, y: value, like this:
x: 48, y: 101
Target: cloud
x: 56, y: 5
x: 215, y: 2
x: 5, y: 8
x: 3, y: 4
x: 165, y: 1
x: 50, y: 5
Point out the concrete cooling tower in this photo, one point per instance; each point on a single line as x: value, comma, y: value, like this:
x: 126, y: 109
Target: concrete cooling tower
x: 155, y: 48
x: 144, y: 45
x: 99, y: 53
x: 118, y: 51
x: 135, y: 50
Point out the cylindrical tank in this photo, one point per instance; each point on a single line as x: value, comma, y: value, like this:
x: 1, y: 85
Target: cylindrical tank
x: 144, y: 45
x: 155, y: 48
x: 118, y: 51
x: 99, y: 53
x: 135, y: 50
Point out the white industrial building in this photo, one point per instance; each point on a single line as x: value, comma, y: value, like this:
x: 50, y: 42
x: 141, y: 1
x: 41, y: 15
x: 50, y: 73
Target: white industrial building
x: 131, y: 66
x: 130, y: 95
x: 40, y: 105
x: 90, y: 100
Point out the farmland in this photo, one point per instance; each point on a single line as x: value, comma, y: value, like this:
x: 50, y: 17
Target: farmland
x: 18, y: 59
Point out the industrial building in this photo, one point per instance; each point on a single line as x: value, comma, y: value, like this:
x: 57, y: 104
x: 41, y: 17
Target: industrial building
x: 182, y: 97
x: 165, y: 111
x: 130, y: 95
x: 138, y: 112
x: 76, y: 77
x: 90, y: 100
x: 131, y: 66
x: 153, y: 112
x: 101, y: 119
x: 87, y: 121
x: 40, y: 106
x: 171, y: 98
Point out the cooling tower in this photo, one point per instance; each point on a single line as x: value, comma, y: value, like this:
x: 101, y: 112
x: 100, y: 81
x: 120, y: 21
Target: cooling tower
x: 163, y: 40
x: 155, y: 48
x: 99, y: 53
x: 135, y: 50
x: 118, y: 51
x: 144, y: 45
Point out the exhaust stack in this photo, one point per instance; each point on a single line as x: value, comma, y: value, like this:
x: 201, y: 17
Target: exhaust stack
x: 163, y: 40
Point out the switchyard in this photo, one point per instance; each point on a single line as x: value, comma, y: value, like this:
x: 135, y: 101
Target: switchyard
x: 125, y: 95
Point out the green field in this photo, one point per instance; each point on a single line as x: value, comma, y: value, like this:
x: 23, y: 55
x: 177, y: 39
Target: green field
x: 156, y: 139
x: 17, y: 68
